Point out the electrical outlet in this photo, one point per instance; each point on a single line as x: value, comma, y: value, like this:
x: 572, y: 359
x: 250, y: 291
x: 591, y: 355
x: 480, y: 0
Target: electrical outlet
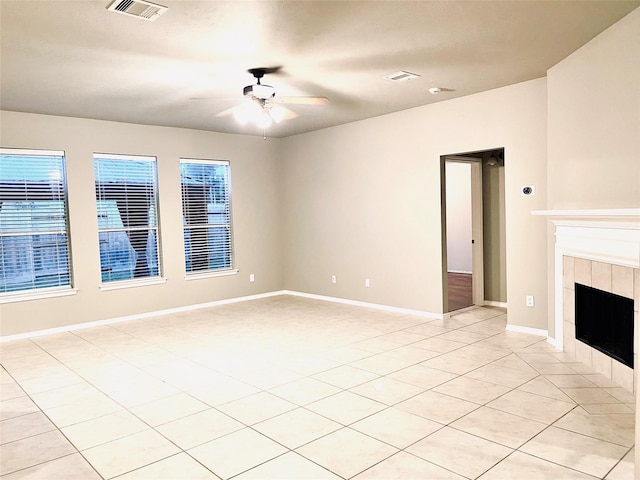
x: 367, y: 283
x: 334, y: 279
x: 529, y: 300
x: 252, y: 277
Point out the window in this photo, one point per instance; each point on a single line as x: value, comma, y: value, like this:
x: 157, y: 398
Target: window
x: 127, y: 216
x: 206, y: 211
x: 34, y: 226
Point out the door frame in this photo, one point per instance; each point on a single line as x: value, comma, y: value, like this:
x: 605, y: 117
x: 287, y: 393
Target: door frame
x: 477, y: 233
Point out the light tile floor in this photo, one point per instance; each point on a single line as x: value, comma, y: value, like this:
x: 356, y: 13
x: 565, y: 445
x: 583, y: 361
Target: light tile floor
x: 294, y: 388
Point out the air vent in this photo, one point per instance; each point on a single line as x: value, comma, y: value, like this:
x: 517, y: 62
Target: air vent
x: 401, y: 76
x: 137, y: 8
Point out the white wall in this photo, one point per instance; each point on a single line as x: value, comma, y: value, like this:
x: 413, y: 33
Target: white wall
x: 459, y: 236
x: 363, y: 200
x: 256, y: 216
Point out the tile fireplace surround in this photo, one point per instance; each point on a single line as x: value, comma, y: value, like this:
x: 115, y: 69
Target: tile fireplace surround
x: 607, y: 277
x: 600, y: 249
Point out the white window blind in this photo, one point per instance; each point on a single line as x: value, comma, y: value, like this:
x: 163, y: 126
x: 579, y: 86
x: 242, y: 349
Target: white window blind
x: 206, y: 210
x: 34, y: 226
x: 126, y: 199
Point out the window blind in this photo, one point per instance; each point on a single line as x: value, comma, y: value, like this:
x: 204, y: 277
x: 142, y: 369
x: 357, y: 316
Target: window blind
x: 206, y: 209
x: 34, y: 226
x: 126, y: 198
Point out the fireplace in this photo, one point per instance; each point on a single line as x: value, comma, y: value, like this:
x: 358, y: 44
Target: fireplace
x: 599, y: 249
x: 604, y: 321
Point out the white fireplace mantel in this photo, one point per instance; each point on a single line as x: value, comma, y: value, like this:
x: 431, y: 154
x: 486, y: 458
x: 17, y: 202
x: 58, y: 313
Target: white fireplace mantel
x: 605, y: 235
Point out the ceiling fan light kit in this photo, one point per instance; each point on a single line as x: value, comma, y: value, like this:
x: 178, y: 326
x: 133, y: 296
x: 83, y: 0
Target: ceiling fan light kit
x: 259, y: 91
x: 262, y: 107
x: 256, y: 111
x: 247, y: 112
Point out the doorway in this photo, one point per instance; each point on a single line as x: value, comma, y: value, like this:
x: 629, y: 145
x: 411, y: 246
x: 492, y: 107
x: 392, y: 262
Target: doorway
x: 472, y: 228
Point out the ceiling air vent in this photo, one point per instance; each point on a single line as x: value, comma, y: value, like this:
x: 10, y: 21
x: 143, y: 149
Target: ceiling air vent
x: 401, y: 76
x: 137, y: 8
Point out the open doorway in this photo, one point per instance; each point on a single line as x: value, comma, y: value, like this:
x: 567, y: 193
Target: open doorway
x: 473, y: 229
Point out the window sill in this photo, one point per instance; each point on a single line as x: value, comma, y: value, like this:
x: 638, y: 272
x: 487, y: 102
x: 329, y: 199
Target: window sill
x: 132, y: 284
x: 212, y: 274
x: 37, y: 295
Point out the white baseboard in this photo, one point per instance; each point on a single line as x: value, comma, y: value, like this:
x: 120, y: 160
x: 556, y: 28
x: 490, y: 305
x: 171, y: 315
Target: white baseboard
x: 532, y: 331
x: 554, y: 342
x: 377, y: 306
x: 110, y: 321
x: 138, y: 316
x: 468, y: 272
x: 491, y: 303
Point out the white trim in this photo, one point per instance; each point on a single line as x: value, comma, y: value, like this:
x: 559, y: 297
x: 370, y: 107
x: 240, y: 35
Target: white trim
x: 604, y: 235
x: 617, y: 245
x: 531, y: 331
x: 491, y: 303
x: 601, y: 212
x: 377, y: 306
x: 610, y: 219
x: 460, y: 271
x: 211, y: 274
x: 117, y: 156
x: 105, y: 287
x: 37, y: 295
x: 554, y: 343
x: 110, y: 321
x: 558, y: 289
x: 477, y: 235
x: 205, y: 161
x: 31, y: 152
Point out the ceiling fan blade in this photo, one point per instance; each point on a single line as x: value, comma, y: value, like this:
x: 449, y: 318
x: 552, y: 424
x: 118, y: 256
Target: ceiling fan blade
x: 227, y: 112
x: 302, y: 100
x: 287, y: 113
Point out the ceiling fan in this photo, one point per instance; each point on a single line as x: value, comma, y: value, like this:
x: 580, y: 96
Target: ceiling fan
x: 262, y: 106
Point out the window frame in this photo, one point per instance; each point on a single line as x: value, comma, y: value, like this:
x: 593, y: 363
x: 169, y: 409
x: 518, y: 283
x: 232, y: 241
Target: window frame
x: 209, y: 272
x: 146, y: 280
x: 57, y: 290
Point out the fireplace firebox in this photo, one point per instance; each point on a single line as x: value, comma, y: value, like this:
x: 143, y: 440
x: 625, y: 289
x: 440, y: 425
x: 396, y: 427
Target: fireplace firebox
x: 604, y: 321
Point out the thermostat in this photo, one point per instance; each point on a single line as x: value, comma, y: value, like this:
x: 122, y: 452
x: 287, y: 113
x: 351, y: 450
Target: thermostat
x: 527, y: 190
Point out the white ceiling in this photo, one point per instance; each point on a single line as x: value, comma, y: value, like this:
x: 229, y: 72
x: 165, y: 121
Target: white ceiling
x: 75, y: 58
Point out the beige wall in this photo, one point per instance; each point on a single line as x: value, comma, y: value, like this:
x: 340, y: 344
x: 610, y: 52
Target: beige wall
x: 495, y: 242
x: 358, y: 200
x: 594, y: 128
x: 363, y: 200
x: 256, y: 216
x: 594, y: 133
x: 594, y: 122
